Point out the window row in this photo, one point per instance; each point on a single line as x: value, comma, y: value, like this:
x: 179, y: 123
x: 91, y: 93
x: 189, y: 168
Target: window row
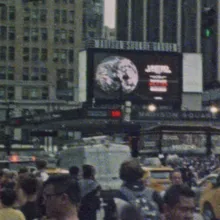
x: 35, y: 34
x: 65, y: 74
x: 7, y: 92
x: 7, y: 72
x: 34, y: 54
x: 64, y: 56
x: 63, y: 36
x: 7, y: 33
x: 7, y: 13
x: 35, y: 15
x: 63, y: 16
x: 35, y: 93
x: 64, y: 1
x: 35, y: 74
x: 7, y: 52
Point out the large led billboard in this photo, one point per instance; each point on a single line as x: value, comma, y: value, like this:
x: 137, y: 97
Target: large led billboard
x: 138, y: 76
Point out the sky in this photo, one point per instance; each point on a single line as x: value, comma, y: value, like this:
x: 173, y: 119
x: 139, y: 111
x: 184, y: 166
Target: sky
x: 109, y: 13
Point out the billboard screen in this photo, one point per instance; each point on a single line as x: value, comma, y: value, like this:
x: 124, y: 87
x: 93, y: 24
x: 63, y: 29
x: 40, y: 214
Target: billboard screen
x: 138, y: 76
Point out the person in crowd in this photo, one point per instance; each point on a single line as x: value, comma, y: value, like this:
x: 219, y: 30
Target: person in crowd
x: 90, y: 190
x: 179, y: 203
x: 8, y: 179
x: 23, y: 171
x: 61, y: 195
x: 74, y: 172
x: 7, y: 212
x: 41, y: 167
x: 134, y: 192
x: 27, y: 190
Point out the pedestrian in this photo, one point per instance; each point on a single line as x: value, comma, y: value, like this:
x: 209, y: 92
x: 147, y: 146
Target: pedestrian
x: 90, y: 190
x: 61, y: 197
x: 74, y: 172
x: 179, y: 203
x: 27, y: 189
x: 41, y: 167
x: 133, y: 192
x: 7, y: 212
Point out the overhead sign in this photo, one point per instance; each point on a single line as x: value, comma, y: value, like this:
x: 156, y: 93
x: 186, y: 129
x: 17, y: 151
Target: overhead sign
x: 132, y: 45
x: 139, y: 76
x: 169, y: 115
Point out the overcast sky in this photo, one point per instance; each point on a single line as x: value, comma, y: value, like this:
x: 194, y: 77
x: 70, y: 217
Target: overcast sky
x: 109, y: 17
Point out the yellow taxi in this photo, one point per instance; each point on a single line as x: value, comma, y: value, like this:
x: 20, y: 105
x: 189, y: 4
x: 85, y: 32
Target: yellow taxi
x: 210, y: 200
x: 157, y: 178
x: 56, y: 170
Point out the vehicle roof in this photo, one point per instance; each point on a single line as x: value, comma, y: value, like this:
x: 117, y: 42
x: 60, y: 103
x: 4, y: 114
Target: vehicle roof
x: 157, y: 168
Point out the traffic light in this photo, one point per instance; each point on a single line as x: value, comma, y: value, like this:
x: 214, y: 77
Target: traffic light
x: 208, y: 21
x: 115, y: 114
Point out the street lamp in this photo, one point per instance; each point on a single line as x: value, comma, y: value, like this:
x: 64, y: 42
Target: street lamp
x: 213, y: 109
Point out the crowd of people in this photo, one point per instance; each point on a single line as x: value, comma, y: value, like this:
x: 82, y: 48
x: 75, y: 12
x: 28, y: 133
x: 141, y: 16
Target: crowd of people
x: 77, y: 195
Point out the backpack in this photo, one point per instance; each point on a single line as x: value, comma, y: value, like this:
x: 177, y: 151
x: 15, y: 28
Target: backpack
x: 142, y: 201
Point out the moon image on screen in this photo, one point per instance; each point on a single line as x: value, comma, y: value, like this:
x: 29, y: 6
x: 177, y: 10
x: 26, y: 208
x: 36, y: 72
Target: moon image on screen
x: 115, y: 74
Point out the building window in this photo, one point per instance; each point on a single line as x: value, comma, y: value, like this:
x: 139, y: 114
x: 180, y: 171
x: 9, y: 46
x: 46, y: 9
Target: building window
x: 65, y: 1
x: 57, y: 16
x: 70, y: 75
x: 43, y: 54
x: 43, y: 34
x: 34, y: 34
x: 56, y: 55
x: 44, y: 73
x: 3, y: 13
x: 57, y: 1
x: 56, y: 35
x: 71, y: 36
x: 63, y: 56
x: 3, y: 33
x: 64, y: 16
x: 91, y: 34
x: 25, y: 73
x: 11, y: 93
x: 45, y: 93
x: 11, y: 73
x: 71, y: 1
x: 26, y: 54
x: 35, y: 15
x: 3, y: 51
x: 2, y: 92
x: 43, y: 15
x: 11, y: 33
x: 35, y: 74
x: 63, y: 36
x: 71, y: 56
x: 26, y: 34
x: 11, y: 13
x: 26, y: 14
x: 71, y: 17
x: 35, y: 54
x: 3, y: 72
x: 11, y: 53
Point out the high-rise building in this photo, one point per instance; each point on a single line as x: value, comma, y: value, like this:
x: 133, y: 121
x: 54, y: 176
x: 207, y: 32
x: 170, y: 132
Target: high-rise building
x: 169, y: 21
x: 39, y: 44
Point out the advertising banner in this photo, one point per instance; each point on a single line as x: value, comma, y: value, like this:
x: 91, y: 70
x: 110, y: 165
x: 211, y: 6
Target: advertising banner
x: 138, y: 76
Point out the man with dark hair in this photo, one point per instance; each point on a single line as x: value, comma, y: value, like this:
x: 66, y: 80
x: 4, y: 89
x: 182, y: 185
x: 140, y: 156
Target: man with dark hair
x: 27, y: 190
x: 90, y: 190
x: 176, y: 177
x: 61, y: 197
x: 179, y: 203
x: 8, y: 198
x: 134, y: 192
x: 74, y: 172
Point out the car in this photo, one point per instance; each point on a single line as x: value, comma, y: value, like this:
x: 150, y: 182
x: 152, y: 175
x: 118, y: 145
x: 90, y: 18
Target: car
x: 202, y: 184
x: 210, y: 200
x: 157, y: 178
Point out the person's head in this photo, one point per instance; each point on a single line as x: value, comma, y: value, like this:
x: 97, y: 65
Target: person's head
x: 41, y: 164
x: 8, y: 197
x: 131, y: 171
x: 88, y: 171
x: 61, y: 195
x: 27, y: 188
x: 74, y: 171
x: 176, y: 177
x: 179, y: 202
